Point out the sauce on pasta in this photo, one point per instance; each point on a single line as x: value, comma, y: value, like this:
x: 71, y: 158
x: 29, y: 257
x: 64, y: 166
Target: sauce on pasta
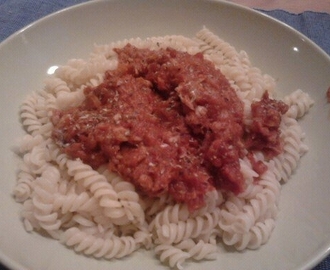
x: 168, y: 121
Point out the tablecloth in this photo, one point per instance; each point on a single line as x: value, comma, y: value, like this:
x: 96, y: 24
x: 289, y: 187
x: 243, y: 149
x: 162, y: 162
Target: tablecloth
x: 16, y: 14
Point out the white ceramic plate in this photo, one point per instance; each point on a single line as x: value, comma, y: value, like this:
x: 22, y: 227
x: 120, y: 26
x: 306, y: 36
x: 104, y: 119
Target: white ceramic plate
x: 302, y: 235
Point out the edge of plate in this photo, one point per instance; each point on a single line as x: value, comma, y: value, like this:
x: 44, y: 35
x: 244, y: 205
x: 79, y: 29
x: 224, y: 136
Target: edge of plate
x: 318, y: 256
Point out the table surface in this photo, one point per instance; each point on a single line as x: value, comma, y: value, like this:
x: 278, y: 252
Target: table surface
x: 16, y: 14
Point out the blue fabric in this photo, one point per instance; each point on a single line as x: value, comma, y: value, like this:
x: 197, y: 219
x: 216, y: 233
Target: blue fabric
x: 16, y: 14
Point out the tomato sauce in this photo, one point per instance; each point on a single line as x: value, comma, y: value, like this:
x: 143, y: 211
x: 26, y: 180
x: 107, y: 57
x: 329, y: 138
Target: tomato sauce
x: 168, y: 121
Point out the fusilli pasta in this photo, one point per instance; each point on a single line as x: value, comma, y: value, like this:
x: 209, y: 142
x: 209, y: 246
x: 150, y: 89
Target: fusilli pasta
x: 97, y: 213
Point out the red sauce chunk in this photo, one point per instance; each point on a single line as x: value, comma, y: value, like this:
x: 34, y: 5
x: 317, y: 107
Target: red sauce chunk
x: 167, y: 121
x: 264, y: 132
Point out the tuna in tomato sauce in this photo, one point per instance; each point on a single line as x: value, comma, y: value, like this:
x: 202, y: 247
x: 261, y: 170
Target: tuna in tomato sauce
x: 167, y: 121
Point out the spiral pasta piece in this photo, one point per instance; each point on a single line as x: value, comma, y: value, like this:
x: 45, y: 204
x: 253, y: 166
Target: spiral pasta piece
x: 254, y: 238
x: 28, y: 115
x: 175, y: 257
x: 109, y: 248
x: 55, y: 86
x: 198, y: 227
x: 42, y: 200
x: 299, y: 102
x: 200, y: 250
x: 120, y: 201
x: 171, y: 214
x: 25, y: 183
x: 217, y: 44
x: 239, y: 215
x: 293, y: 148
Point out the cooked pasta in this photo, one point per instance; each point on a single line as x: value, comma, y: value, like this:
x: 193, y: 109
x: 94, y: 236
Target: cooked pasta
x: 97, y: 213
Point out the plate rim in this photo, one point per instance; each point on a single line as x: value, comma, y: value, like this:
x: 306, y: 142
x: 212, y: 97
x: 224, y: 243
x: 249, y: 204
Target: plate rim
x: 322, y: 252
